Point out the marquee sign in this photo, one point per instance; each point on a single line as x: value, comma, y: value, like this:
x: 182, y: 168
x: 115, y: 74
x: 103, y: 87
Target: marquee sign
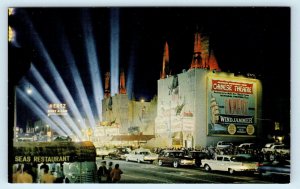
x: 231, y: 106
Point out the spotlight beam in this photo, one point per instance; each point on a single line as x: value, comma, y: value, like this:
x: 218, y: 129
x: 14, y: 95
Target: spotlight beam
x: 52, y: 69
x: 78, y: 82
x: 60, y: 84
x: 39, y: 112
x: 50, y: 95
x: 92, y: 62
x: 131, y: 71
x: 114, y: 50
x: 41, y: 102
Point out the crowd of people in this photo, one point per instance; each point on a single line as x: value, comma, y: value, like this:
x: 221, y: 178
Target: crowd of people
x: 29, y: 173
x: 110, y: 174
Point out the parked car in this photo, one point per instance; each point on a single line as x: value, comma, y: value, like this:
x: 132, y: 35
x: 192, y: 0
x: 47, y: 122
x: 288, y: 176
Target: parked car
x: 247, y: 146
x: 269, y: 145
x: 198, y: 156
x: 141, y: 155
x: 102, y: 151
x: 280, y: 148
x: 229, y: 163
x: 275, y: 168
x: 119, y: 153
x: 248, y: 157
x: 222, y: 144
x: 175, y: 158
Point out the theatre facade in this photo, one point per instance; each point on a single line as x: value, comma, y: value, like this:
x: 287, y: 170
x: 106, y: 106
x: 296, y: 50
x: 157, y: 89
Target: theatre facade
x: 203, y: 105
x: 200, y: 107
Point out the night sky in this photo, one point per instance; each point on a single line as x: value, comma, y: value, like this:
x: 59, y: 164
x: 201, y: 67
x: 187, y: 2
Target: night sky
x: 245, y: 40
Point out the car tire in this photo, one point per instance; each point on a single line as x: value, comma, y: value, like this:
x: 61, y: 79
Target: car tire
x: 160, y: 163
x: 175, y: 164
x: 207, y: 168
x: 231, y: 171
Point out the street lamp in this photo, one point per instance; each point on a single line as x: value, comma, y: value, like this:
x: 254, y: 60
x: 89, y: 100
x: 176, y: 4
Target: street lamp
x: 49, y: 133
x: 89, y: 133
x: 29, y: 90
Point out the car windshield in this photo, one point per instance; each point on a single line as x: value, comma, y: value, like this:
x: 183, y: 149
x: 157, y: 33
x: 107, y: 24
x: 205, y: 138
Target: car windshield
x: 178, y: 154
x: 197, y: 154
x: 145, y: 153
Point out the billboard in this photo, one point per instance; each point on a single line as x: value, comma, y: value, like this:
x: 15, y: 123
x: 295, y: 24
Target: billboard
x: 231, y: 106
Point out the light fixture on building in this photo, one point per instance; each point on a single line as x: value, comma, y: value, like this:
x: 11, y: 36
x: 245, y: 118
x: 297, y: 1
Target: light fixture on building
x: 29, y: 90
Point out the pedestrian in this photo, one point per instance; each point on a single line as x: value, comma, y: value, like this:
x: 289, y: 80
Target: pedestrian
x: 116, y: 174
x: 47, y: 177
x: 102, y: 171
x: 16, y: 173
x: 108, y: 178
x: 25, y: 177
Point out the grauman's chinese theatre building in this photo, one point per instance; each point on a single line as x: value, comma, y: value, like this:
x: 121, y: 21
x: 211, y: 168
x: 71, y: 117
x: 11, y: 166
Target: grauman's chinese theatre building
x: 201, y: 106
x: 125, y: 121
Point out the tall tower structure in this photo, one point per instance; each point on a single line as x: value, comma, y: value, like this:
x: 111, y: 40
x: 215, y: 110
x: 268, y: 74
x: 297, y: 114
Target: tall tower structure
x: 212, y: 62
x: 197, y: 59
x: 165, y: 66
x: 122, y: 83
x: 107, y: 85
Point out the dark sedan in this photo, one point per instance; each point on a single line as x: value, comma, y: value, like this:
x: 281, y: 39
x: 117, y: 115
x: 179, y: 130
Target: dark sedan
x: 198, y: 156
x: 175, y: 158
x: 275, y: 170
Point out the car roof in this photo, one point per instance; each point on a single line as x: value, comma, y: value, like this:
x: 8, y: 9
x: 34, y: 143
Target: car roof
x: 173, y: 151
x: 225, y: 156
x: 194, y: 151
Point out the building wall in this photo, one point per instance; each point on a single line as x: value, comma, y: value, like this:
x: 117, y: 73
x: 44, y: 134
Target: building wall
x: 129, y: 114
x: 115, y: 111
x: 142, y: 114
x: 184, y: 109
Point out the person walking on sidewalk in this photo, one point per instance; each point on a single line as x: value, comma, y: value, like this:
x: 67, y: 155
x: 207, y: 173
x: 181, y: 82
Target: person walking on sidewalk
x: 116, y: 174
x: 102, y: 171
x: 108, y: 178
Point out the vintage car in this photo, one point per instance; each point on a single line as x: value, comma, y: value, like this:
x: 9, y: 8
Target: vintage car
x: 102, y: 151
x: 280, y: 148
x: 247, y: 146
x: 275, y: 168
x: 119, y: 153
x: 175, y: 158
x: 198, y: 156
x: 222, y: 145
x: 229, y: 163
x: 141, y: 155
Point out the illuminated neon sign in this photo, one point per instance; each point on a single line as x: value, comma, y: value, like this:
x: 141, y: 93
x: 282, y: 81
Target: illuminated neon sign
x: 57, y: 109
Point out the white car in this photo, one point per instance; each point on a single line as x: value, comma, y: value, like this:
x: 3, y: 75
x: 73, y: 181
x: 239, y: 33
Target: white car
x: 246, y: 146
x: 229, y: 163
x: 141, y: 155
x: 280, y: 148
x: 222, y: 144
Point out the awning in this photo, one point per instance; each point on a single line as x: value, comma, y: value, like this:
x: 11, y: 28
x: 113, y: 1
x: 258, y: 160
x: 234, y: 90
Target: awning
x: 132, y: 137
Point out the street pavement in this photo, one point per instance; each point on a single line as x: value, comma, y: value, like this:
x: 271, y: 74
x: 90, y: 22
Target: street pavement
x: 150, y: 173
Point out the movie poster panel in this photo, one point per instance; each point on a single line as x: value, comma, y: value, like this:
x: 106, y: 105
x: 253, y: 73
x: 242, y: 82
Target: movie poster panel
x: 231, y: 106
